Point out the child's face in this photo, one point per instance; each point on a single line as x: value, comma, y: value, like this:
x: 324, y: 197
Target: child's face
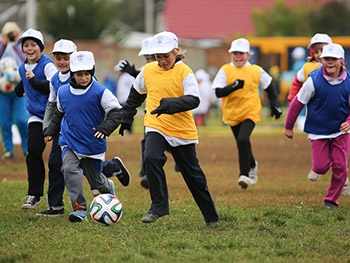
x: 166, y: 61
x: 317, y: 49
x: 32, y: 51
x: 82, y: 77
x: 332, y: 66
x: 239, y: 58
x: 62, y: 61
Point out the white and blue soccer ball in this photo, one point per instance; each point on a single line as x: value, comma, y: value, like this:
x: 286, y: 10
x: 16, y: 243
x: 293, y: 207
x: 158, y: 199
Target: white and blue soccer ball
x: 106, y: 209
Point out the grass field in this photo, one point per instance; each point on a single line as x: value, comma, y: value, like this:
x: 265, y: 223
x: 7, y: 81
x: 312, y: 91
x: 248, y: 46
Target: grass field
x: 280, y: 219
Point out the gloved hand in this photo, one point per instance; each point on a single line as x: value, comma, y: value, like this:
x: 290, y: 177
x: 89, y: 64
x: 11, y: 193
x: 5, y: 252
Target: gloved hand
x: 238, y: 84
x: 162, y: 108
x: 123, y: 127
x: 276, y: 111
x: 126, y: 67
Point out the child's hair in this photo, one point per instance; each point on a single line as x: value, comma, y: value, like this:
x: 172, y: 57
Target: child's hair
x: 179, y: 53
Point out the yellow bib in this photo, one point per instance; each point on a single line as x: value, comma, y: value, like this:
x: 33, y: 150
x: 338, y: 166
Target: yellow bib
x: 160, y: 84
x: 244, y: 103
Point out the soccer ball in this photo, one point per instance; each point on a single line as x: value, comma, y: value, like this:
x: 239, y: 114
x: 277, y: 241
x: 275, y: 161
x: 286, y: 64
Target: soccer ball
x: 106, y: 209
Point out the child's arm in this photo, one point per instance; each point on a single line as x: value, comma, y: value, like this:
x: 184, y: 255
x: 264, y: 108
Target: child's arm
x: 296, y: 86
x: 43, y: 85
x: 54, y: 126
x: 19, y: 89
x: 111, y: 123
x: 134, y: 101
x: 176, y: 105
x: 274, y: 104
x: 49, y: 113
x: 227, y: 90
x: 295, y: 108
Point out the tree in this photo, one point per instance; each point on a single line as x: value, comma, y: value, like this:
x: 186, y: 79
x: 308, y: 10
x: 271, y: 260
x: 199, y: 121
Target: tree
x: 303, y: 19
x: 282, y: 20
x: 77, y: 19
x: 332, y: 18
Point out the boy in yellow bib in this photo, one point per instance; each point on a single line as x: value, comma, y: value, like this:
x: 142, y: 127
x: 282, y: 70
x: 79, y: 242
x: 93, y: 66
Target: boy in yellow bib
x: 172, y: 92
x: 237, y: 83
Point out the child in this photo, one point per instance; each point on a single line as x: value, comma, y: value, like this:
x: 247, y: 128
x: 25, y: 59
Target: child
x: 172, y: 92
x: 237, y: 83
x: 35, y: 72
x: 61, y: 53
x: 317, y: 42
x: 80, y: 117
x: 124, y: 66
x: 326, y: 93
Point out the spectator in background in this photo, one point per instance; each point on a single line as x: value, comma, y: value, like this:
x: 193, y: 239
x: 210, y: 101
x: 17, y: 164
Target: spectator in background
x: 206, y: 97
x: 12, y: 108
x: 108, y: 81
x: 298, y: 56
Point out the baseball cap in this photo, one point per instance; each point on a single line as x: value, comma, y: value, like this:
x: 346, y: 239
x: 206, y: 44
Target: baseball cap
x: 146, y: 46
x: 319, y: 38
x: 81, y: 60
x: 64, y: 46
x: 163, y: 42
x: 333, y: 51
x: 35, y: 35
x: 240, y: 45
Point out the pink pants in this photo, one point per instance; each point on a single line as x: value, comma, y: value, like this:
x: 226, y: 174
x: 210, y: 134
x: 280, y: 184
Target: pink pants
x: 327, y: 153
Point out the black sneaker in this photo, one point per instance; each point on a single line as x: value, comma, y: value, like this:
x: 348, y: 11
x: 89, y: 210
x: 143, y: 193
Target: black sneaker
x: 32, y: 202
x: 51, y: 212
x: 123, y: 175
x: 149, y: 218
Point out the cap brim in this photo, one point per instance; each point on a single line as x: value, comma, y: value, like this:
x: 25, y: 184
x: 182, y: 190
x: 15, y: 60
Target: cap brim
x: 81, y: 68
x: 161, y: 50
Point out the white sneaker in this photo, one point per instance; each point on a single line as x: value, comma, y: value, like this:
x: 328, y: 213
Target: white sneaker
x: 346, y: 188
x: 244, y: 181
x: 253, y: 173
x: 312, y: 176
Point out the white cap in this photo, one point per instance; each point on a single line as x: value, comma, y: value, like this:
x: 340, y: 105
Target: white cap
x: 81, y: 60
x: 146, y: 46
x: 240, y: 45
x: 320, y: 38
x: 64, y: 46
x: 163, y: 42
x: 298, y: 53
x: 333, y: 51
x: 32, y: 33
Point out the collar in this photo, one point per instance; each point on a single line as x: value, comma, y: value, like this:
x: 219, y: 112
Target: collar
x: 342, y: 75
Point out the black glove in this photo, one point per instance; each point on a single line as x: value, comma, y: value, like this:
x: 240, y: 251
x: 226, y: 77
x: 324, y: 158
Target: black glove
x: 123, y: 127
x: 162, y: 108
x: 277, y: 112
x: 130, y: 69
x: 238, y: 84
x: 227, y: 90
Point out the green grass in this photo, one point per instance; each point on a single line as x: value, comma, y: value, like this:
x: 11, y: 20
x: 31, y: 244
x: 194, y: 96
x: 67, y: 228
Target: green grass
x: 262, y: 233
x: 273, y: 221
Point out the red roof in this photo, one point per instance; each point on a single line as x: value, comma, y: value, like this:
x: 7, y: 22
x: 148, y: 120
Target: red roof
x: 219, y: 19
